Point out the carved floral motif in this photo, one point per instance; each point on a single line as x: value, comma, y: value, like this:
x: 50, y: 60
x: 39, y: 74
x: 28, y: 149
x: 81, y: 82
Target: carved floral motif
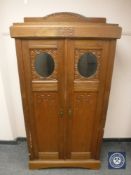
x: 78, y: 54
x: 84, y: 97
x: 33, y: 54
x: 66, y: 31
x: 45, y: 97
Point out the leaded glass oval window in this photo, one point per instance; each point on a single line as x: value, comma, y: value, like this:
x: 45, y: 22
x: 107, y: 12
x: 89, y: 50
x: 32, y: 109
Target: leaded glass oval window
x: 44, y: 64
x: 87, y: 64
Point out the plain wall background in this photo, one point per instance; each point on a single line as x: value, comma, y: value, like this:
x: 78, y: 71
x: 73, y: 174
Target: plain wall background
x: 118, y: 124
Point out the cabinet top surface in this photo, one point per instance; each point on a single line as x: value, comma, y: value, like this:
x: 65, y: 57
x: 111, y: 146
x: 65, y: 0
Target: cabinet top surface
x: 65, y: 24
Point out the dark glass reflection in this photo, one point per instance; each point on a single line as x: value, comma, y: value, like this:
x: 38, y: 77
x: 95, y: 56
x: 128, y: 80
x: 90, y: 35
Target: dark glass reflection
x: 87, y: 64
x: 44, y: 64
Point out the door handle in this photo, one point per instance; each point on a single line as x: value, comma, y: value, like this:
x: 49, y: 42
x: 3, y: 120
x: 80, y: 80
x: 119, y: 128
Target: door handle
x: 61, y: 112
x: 69, y: 112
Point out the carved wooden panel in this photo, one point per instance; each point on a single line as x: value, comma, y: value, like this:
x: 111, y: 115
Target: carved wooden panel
x: 66, y: 31
x: 45, y: 86
x: 45, y: 97
x: 47, y: 121
x: 81, y: 155
x: 82, y: 121
x: 48, y: 155
x: 78, y: 54
x: 84, y: 97
x: 33, y: 54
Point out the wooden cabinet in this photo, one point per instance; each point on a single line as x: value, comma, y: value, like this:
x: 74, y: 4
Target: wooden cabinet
x: 65, y: 64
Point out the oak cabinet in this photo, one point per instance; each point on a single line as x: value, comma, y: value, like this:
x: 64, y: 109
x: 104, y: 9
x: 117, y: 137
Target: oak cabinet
x: 65, y: 64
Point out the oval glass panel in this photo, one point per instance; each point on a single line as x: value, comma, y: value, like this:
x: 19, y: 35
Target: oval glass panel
x: 44, y: 64
x: 87, y: 64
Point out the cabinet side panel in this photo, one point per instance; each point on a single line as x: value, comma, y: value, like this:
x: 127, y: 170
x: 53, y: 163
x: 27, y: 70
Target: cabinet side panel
x: 29, y: 96
x: 21, y: 72
x: 107, y: 86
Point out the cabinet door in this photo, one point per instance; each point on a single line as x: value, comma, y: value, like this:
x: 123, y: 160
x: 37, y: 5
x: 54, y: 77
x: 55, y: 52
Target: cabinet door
x: 43, y: 62
x: 87, y: 63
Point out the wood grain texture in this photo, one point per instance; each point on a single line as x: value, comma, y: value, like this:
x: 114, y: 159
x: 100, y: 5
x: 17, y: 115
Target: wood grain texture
x: 24, y: 95
x: 64, y: 16
x: 60, y: 31
x: 42, y: 99
x: 65, y: 25
x: 90, y: 164
x: 111, y: 56
x: 80, y: 155
x: 47, y: 121
x: 47, y: 86
x: 86, y: 85
x: 48, y: 155
x: 98, y: 130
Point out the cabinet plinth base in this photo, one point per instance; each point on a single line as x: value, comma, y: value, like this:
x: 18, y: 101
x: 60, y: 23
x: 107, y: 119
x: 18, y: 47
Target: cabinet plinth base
x: 89, y: 164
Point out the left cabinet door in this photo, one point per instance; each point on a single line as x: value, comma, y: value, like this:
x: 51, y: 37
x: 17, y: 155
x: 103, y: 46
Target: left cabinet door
x: 43, y: 75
